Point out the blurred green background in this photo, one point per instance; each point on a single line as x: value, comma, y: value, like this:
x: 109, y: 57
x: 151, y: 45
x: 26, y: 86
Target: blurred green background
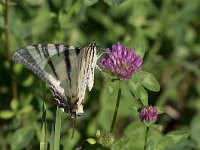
x: 169, y: 32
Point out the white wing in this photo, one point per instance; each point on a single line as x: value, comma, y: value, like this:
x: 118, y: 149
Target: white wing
x: 55, y: 64
x: 67, y: 69
x: 87, y: 62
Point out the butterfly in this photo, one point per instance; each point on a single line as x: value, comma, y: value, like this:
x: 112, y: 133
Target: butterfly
x: 68, y: 70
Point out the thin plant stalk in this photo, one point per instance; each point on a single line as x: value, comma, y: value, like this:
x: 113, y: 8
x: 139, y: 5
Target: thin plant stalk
x: 43, y: 137
x: 146, y: 138
x: 8, y: 51
x: 116, y: 108
x: 57, y: 129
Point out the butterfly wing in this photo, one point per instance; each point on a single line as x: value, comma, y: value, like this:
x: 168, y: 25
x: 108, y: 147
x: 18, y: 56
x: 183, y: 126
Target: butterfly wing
x: 55, y: 64
x: 86, y: 64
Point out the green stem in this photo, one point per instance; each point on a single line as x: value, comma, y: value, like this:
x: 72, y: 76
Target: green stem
x: 146, y: 137
x: 8, y: 51
x: 7, y: 44
x: 116, y: 108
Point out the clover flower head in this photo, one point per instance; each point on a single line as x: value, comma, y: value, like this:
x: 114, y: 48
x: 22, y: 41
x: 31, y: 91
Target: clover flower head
x: 106, y: 140
x: 121, y: 62
x: 148, y: 114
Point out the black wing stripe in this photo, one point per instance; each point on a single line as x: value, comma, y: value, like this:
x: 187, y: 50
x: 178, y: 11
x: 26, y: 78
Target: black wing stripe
x: 37, y: 50
x: 92, y: 46
x: 47, y: 57
x: 90, y: 67
x: 88, y: 57
x: 24, y: 57
x: 63, y: 101
x: 57, y: 46
x: 92, y: 49
x: 67, y: 63
x: 77, y: 50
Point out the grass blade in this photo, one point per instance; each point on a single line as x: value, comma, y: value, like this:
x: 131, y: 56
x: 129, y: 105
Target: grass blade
x: 57, y: 129
x: 43, y: 140
x: 52, y: 139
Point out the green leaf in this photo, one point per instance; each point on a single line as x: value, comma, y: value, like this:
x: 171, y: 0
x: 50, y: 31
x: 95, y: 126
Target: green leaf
x: 51, y: 146
x: 17, y: 68
x: 135, y: 108
x: 179, y: 135
x: 140, y: 50
x: 137, y: 89
x: 149, y: 81
x: 43, y: 137
x: 120, y: 143
x: 195, y: 129
x: 56, y: 3
x: 14, y: 104
x: 98, y: 133
x: 21, y: 138
x: 6, y: 114
x: 26, y: 109
x: 57, y: 129
x: 35, y: 2
x: 157, y: 127
x: 91, y: 141
x: 113, y: 2
x: 1, y: 8
x: 134, y: 84
x: 151, y: 145
x: 164, y: 142
x: 28, y: 81
x: 160, y: 109
x: 111, y: 88
x: 69, y: 143
x: 173, y: 138
x: 90, y: 2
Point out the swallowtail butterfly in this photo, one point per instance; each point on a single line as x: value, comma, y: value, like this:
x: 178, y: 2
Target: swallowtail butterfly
x: 67, y: 69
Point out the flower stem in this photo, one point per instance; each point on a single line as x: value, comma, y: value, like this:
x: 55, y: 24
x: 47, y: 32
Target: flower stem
x: 146, y: 137
x: 116, y: 108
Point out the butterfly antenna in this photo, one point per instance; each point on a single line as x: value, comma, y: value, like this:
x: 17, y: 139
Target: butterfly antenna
x: 98, y: 68
x: 101, y: 54
x: 74, y: 125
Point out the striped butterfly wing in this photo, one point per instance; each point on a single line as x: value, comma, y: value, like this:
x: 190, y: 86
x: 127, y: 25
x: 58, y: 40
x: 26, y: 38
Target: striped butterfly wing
x: 86, y: 64
x: 57, y: 65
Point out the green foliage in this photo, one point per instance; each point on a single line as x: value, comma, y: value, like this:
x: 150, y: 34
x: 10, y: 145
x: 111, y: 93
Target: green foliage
x: 113, y: 2
x: 195, y: 128
x: 21, y: 138
x: 169, y: 140
x: 164, y: 33
x: 91, y: 141
x: 43, y: 142
x: 6, y: 114
x: 138, y: 90
x: 105, y: 140
x: 57, y: 129
x: 149, y: 81
x: 90, y: 2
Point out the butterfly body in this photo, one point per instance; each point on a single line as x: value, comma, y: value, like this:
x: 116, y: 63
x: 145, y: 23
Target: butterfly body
x: 67, y: 69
